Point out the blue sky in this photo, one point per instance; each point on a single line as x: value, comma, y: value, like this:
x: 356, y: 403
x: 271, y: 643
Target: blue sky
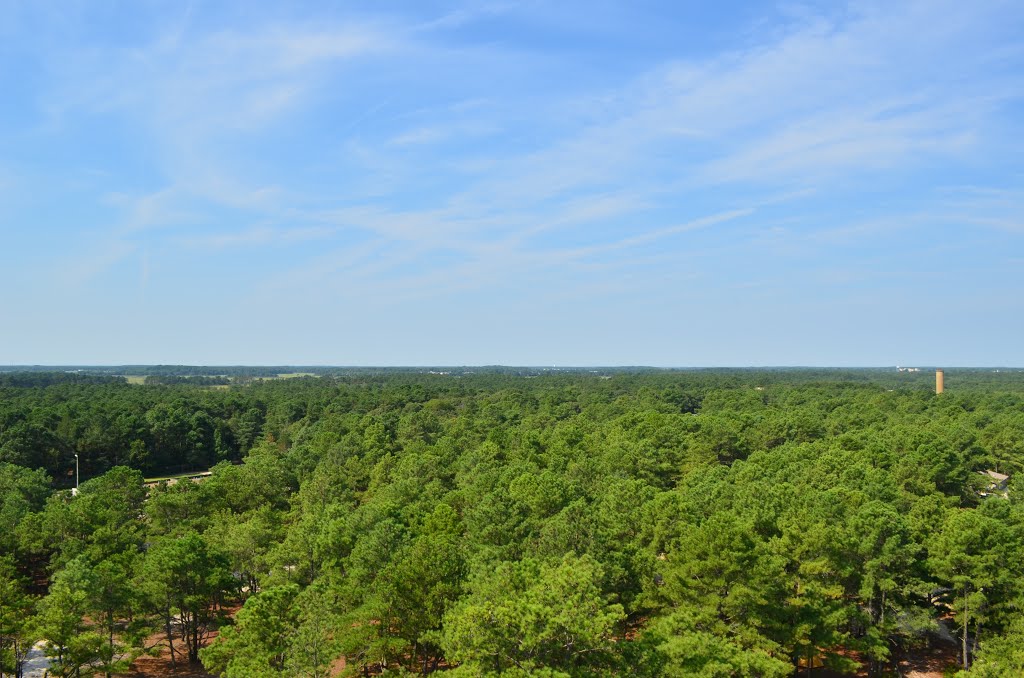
x: 570, y: 183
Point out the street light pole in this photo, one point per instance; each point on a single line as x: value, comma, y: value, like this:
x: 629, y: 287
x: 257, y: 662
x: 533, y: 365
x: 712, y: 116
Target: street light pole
x: 76, y: 474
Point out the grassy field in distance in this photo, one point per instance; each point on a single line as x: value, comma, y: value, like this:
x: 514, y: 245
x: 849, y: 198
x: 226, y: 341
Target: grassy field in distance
x: 140, y: 380
x: 176, y: 476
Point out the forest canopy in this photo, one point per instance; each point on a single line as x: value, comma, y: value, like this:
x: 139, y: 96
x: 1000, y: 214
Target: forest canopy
x: 514, y: 520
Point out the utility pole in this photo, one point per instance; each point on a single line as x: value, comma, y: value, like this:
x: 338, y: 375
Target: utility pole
x: 75, y: 493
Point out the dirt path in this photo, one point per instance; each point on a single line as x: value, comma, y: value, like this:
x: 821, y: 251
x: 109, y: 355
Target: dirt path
x: 932, y: 663
x: 159, y: 665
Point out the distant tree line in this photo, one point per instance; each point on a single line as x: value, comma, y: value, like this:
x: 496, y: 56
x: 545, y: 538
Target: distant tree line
x: 177, y: 379
x: 110, y: 423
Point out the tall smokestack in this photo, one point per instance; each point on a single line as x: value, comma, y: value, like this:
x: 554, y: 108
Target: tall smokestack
x: 939, y: 379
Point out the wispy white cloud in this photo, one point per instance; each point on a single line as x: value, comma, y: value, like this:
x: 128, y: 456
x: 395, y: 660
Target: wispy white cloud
x: 482, y: 183
x: 195, y: 96
x: 793, y: 109
x: 157, y: 209
x: 259, y: 235
x: 467, y: 14
x: 991, y: 207
x: 205, y: 80
x: 95, y: 261
x: 336, y: 263
x: 455, y: 130
x: 817, y: 148
x: 422, y: 135
x: 658, y: 234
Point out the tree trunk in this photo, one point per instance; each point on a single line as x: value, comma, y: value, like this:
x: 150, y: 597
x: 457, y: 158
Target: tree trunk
x: 193, y: 652
x: 170, y: 637
x: 110, y: 638
x: 963, y: 638
x: 881, y: 623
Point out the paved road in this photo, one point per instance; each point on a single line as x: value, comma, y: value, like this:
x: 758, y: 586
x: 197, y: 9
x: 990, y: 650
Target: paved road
x: 37, y: 663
